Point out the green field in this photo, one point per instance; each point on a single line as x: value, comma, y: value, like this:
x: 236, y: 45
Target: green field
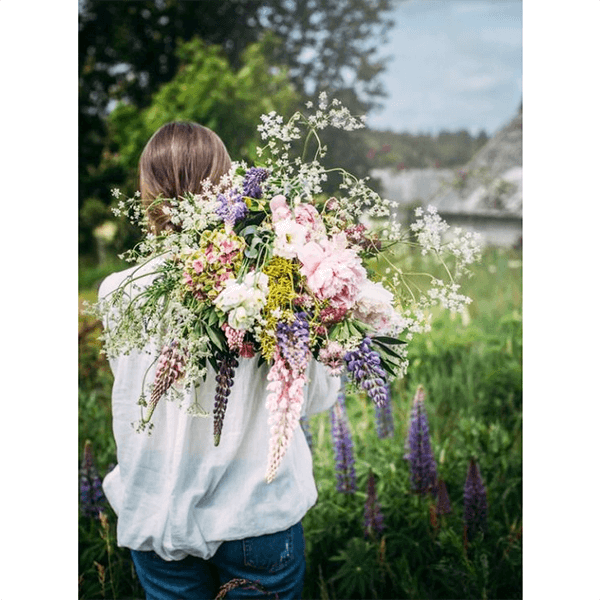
x: 471, y: 370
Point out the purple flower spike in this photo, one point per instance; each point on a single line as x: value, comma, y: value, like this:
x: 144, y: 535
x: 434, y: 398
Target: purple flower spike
x: 343, y: 447
x: 475, y: 498
x: 422, y: 464
x: 254, y: 177
x: 364, y: 366
x: 293, y: 340
x: 232, y: 207
x: 373, y: 515
x: 384, y: 418
x: 224, y: 382
x: 91, y: 496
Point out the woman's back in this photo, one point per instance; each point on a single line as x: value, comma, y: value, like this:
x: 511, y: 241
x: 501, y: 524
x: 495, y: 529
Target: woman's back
x: 175, y: 492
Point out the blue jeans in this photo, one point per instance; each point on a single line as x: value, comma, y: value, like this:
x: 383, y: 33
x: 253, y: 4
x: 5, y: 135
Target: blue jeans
x: 274, y: 563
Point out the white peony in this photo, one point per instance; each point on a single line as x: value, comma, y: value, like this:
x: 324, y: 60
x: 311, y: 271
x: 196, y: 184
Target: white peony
x: 375, y: 307
x: 290, y: 237
x: 244, y: 300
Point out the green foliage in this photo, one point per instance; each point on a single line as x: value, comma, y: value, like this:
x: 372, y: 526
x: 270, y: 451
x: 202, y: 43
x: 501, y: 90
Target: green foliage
x: 208, y: 90
x: 471, y: 371
x: 105, y: 570
x: 91, y: 274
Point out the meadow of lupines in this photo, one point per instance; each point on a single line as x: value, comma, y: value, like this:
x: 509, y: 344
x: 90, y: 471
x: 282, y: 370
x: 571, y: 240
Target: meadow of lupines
x: 419, y: 484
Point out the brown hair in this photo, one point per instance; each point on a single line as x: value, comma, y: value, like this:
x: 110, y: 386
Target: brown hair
x: 176, y: 159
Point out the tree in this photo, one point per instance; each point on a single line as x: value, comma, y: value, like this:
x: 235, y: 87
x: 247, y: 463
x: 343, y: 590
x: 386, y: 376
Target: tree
x: 207, y: 90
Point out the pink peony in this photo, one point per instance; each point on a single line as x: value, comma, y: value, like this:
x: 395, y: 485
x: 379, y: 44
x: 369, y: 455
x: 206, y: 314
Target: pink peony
x: 332, y: 270
x: 279, y: 208
x: 308, y: 216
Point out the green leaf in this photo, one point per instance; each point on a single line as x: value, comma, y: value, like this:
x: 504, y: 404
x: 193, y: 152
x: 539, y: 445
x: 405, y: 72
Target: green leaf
x: 213, y: 363
x: 213, y: 318
x: 384, y: 339
x: 248, y: 230
x: 388, y: 350
x: 215, y: 338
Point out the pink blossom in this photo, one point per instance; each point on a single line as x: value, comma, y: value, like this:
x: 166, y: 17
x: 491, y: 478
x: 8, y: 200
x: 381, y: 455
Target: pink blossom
x: 332, y: 270
x: 286, y: 387
x: 188, y: 279
x: 332, y: 356
x: 279, y: 208
x: 247, y: 350
x: 228, y: 246
x: 308, y: 216
x: 235, y: 337
x: 332, y: 204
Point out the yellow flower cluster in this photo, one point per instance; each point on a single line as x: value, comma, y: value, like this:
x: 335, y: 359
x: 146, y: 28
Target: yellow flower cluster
x: 281, y: 272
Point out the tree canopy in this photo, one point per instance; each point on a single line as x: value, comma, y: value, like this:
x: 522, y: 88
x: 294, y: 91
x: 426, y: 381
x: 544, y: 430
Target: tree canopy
x: 207, y: 90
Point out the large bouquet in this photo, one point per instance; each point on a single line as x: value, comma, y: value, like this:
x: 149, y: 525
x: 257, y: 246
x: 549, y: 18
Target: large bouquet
x: 266, y: 264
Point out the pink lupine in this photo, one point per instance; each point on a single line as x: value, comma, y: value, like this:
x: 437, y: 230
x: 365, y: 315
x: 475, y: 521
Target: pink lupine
x: 169, y: 369
x: 235, y: 337
x: 284, y: 402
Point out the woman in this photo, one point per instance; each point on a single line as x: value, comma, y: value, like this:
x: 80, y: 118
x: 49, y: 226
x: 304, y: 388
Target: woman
x: 196, y: 515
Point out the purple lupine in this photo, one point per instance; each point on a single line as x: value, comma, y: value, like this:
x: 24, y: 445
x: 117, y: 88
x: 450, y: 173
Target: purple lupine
x: 443, y: 506
x: 293, y: 341
x: 252, y: 180
x: 384, y: 418
x: 373, y: 515
x: 232, y: 207
x: 475, y: 498
x: 422, y: 464
x: 364, y: 366
x: 227, y: 365
x: 343, y: 447
x: 91, y: 496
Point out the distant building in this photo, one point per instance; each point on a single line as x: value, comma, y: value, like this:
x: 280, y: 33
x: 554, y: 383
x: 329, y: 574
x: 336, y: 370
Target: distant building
x: 485, y: 195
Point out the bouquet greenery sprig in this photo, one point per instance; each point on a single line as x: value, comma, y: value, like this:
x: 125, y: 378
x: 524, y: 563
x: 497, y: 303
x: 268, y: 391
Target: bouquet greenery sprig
x: 266, y: 264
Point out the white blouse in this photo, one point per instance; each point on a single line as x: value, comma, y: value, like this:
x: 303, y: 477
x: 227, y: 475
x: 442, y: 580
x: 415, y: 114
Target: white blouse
x: 176, y: 493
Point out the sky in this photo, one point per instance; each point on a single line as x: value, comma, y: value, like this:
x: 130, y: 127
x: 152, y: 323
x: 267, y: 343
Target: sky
x: 454, y: 64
